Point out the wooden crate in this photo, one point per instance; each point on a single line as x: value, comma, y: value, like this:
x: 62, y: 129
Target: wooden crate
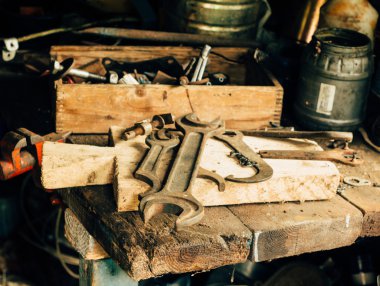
x: 93, y: 108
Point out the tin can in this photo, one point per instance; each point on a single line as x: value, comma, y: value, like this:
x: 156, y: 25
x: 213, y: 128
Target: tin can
x: 334, y: 82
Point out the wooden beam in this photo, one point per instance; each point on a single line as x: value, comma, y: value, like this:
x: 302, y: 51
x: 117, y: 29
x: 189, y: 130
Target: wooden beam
x: 66, y: 165
x: 83, y: 242
x: 281, y: 230
x: 145, y: 251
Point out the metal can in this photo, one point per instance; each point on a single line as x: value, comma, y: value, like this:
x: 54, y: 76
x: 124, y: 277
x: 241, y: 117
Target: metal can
x: 334, y: 82
x: 220, y: 18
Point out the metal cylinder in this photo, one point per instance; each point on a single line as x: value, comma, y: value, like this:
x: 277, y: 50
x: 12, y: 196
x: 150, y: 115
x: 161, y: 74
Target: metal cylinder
x: 220, y: 18
x: 336, y: 69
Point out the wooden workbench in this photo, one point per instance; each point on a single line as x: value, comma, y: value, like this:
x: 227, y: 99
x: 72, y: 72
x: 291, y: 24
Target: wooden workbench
x: 226, y: 235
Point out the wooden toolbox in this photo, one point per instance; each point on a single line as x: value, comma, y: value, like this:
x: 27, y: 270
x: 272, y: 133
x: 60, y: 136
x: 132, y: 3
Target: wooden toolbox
x: 252, y: 100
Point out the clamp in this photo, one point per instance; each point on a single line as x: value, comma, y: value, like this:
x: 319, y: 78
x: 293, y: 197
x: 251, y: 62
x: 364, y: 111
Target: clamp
x: 21, y: 151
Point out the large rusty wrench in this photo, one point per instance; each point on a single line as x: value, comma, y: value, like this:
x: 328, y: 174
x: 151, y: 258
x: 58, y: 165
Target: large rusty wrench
x: 176, y: 195
x: 235, y: 140
x: 161, y: 144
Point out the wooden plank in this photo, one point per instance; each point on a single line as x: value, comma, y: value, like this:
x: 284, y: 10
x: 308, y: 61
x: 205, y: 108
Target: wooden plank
x: 92, y: 108
x: 366, y: 198
x: 281, y: 230
x: 145, y: 251
x: 83, y: 242
x: 293, y: 180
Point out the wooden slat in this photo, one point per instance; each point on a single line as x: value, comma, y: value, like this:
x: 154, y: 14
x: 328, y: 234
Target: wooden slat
x: 155, y: 249
x: 281, y: 230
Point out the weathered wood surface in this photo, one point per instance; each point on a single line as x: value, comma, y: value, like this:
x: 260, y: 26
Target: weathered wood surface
x: 65, y: 165
x: 281, y: 230
x: 81, y: 239
x: 92, y: 108
x: 156, y: 249
x: 366, y: 198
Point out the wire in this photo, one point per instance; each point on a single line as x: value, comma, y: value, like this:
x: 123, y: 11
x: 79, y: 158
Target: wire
x: 366, y: 139
x: 58, y: 249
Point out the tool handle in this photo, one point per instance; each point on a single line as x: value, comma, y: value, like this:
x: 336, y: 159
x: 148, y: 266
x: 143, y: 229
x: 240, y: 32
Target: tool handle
x: 339, y: 155
x: 336, y: 135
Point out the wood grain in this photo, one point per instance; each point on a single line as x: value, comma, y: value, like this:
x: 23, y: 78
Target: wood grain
x: 92, y: 108
x: 293, y: 180
x: 281, y: 230
x: 145, y: 251
x: 366, y: 198
x: 83, y: 242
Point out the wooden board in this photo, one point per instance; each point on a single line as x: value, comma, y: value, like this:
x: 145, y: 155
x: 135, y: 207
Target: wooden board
x: 281, y: 230
x: 156, y: 249
x: 92, y: 108
x: 366, y: 198
x: 81, y: 239
x: 293, y: 180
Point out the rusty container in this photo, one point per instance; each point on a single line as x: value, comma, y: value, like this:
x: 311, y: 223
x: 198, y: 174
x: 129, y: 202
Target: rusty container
x: 220, y: 18
x: 334, y: 82
x: 358, y: 15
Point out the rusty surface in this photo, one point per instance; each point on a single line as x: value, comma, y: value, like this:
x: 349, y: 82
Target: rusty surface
x: 345, y: 156
x: 176, y: 195
x: 263, y: 171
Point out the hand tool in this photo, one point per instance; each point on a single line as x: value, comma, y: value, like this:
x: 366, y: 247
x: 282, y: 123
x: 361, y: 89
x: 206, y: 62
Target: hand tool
x: 345, y: 156
x: 145, y: 127
x: 167, y: 65
x: 281, y: 133
x: 21, y: 150
x: 60, y: 70
x: 176, y: 195
x: 201, y: 64
x: 161, y: 143
x: 247, y: 157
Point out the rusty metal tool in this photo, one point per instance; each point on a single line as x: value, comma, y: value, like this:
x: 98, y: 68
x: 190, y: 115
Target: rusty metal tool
x: 21, y: 151
x: 146, y: 127
x: 60, y: 70
x: 176, y: 197
x: 162, y: 143
x: 281, y: 133
x: 345, y: 156
x: 247, y: 157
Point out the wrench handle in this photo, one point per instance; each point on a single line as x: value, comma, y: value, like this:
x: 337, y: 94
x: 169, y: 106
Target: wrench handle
x: 339, y: 155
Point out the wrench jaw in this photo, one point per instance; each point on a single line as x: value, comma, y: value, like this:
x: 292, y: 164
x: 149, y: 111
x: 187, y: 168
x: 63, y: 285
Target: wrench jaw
x: 247, y: 156
x: 217, y: 125
x: 188, y: 209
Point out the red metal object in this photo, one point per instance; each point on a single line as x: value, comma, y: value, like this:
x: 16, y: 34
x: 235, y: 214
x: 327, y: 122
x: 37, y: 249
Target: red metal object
x: 21, y: 150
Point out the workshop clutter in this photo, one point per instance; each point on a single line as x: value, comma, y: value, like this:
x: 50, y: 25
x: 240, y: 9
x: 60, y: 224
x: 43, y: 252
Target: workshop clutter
x: 164, y: 80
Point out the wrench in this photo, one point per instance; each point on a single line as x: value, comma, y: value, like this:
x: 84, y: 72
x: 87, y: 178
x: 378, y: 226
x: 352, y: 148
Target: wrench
x: 234, y: 139
x: 161, y: 143
x: 345, y: 156
x: 176, y: 195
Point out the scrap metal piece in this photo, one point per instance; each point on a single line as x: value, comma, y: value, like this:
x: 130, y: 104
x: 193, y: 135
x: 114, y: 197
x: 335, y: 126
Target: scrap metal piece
x: 176, y: 195
x: 201, y: 64
x: 263, y: 172
x: 356, y: 181
x: 146, y: 126
x: 345, y: 156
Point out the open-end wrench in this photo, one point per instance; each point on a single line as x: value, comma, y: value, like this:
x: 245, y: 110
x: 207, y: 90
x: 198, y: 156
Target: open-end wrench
x: 162, y: 143
x: 234, y: 139
x: 176, y: 195
x: 345, y: 156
